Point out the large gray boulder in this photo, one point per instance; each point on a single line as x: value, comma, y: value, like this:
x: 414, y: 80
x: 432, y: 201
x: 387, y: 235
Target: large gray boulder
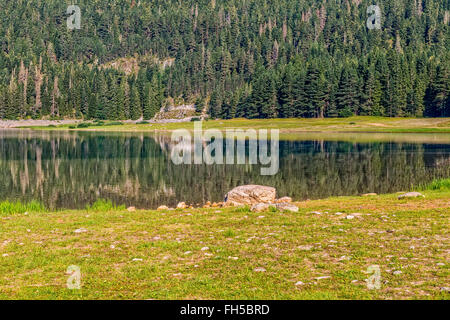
x: 249, y: 195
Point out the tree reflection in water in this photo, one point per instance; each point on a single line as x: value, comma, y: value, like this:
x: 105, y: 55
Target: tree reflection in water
x: 72, y: 169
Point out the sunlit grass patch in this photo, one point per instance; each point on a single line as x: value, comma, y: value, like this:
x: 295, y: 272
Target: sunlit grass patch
x: 439, y: 184
x: 7, y: 207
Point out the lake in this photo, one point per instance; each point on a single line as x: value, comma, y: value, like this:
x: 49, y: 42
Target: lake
x: 73, y: 169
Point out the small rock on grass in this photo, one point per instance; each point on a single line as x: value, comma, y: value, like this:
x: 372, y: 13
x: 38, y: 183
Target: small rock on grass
x: 81, y: 230
x: 283, y: 206
x: 411, y: 195
x: 259, y: 207
x: 259, y: 269
x: 163, y: 208
x: 299, y: 283
x: 182, y: 205
x: 284, y: 200
x: 131, y: 209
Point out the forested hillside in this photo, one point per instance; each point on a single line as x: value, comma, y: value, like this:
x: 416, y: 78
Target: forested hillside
x: 240, y: 58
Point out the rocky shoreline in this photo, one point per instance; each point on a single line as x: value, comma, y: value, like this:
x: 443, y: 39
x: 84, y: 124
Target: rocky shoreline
x: 10, y: 124
x: 259, y: 198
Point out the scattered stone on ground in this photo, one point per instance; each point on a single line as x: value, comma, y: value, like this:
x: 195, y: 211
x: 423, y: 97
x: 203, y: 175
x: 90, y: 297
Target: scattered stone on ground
x: 322, y: 278
x: 369, y: 194
x: 299, y: 283
x: 131, y: 209
x: 163, y: 208
x: 305, y: 247
x: 285, y: 206
x: 259, y: 269
x: 284, y: 200
x: 81, y: 230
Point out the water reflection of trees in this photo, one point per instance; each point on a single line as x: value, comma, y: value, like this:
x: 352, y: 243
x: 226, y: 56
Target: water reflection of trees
x: 71, y: 169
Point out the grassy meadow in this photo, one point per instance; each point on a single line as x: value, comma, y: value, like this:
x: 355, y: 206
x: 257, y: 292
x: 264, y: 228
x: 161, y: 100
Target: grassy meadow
x: 322, y: 252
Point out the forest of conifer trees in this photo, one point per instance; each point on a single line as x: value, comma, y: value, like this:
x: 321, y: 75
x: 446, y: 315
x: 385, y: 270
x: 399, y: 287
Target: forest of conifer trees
x: 240, y: 58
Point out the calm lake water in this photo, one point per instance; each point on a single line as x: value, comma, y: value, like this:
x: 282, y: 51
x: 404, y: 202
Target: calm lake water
x: 73, y: 169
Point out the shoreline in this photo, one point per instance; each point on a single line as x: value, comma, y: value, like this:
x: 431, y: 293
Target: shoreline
x: 16, y: 124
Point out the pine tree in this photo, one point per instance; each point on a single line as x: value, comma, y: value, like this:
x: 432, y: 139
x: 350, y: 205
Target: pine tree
x: 121, y: 105
x: 347, y: 95
x: 286, y: 95
x: 215, y: 104
x: 441, y: 92
x: 102, y: 98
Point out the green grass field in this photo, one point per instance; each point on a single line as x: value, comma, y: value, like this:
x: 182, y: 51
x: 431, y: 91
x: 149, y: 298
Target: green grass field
x: 216, y: 253
x: 352, y: 124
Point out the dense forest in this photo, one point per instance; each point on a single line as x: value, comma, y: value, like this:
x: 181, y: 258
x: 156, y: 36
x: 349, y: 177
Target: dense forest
x: 231, y: 58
